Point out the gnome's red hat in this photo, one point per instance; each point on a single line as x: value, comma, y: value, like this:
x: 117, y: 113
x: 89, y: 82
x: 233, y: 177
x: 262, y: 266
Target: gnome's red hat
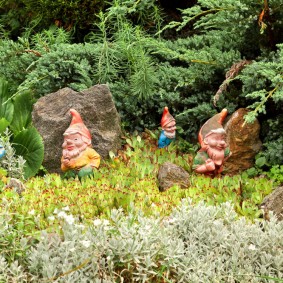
x: 213, y: 125
x: 166, y: 117
x: 77, y: 125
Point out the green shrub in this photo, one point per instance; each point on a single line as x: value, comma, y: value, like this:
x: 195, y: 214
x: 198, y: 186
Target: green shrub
x: 19, y: 57
x: 276, y: 174
x: 146, y: 72
x: 29, y: 16
x: 21, y: 16
x: 273, y: 152
x: 66, y: 65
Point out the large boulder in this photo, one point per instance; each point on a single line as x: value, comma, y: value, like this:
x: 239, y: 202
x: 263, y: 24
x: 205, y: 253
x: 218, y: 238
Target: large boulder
x: 51, y: 117
x: 243, y: 140
x: 170, y: 174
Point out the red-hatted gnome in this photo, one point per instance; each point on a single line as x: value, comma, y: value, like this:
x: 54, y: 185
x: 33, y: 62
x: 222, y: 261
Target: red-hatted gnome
x: 79, y: 158
x: 214, y: 149
x: 168, y: 132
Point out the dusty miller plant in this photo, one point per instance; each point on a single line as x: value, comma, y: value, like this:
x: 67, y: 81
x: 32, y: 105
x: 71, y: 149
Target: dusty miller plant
x: 196, y: 243
x: 12, y: 163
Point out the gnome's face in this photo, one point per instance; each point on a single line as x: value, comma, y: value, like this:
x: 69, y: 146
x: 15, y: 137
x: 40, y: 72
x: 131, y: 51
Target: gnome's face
x: 215, y: 147
x: 216, y: 140
x: 73, y: 141
x: 73, y: 145
x: 170, y: 127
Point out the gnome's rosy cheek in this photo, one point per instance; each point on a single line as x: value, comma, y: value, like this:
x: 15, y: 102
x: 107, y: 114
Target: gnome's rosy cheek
x: 170, y: 127
x: 75, y: 139
x: 210, y: 141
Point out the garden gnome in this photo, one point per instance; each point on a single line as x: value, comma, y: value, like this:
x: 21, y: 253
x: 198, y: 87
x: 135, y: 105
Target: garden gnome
x: 79, y: 158
x: 168, y: 132
x: 214, y: 150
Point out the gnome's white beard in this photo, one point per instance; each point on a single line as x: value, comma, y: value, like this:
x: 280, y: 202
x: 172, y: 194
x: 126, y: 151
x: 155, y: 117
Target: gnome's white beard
x: 71, y: 154
x: 169, y: 135
x: 217, y: 155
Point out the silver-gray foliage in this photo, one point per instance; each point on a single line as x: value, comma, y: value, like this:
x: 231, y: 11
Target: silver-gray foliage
x: 12, y: 163
x: 196, y: 243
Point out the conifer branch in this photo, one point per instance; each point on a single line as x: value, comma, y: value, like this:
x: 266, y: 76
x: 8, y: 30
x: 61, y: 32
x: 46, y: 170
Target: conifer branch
x: 36, y: 53
x: 209, y: 12
x: 270, y: 93
x: 230, y: 75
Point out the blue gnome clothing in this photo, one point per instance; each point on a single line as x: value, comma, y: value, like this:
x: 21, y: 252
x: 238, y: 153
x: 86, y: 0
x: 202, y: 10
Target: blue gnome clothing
x: 163, y: 140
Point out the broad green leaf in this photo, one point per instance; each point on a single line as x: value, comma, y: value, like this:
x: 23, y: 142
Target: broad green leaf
x: 260, y: 161
x: 28, y: 143
x: 3, y: 124
x: 22, y: 109
x: 6, y: 104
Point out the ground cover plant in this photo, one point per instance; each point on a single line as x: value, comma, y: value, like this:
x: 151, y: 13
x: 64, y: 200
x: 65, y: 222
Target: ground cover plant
x: 195, y: 243
x: 116, y: 226
x: 67, y: 230
x: 131, y: 178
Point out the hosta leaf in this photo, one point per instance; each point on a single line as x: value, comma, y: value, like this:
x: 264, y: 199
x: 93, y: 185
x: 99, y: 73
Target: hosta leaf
x: 23, y: 109
x: 28, y: 143
x: 6, y: 104
x: 3, y: 124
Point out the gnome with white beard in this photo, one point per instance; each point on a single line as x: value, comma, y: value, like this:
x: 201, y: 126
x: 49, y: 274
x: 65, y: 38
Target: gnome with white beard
x: 78, y: 158
x: 214, y: 150
x: 168, y: 132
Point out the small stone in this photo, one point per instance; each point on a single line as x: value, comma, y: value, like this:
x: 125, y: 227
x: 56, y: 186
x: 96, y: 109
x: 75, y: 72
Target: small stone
x: 170, y: 174
x: 273, y: 202
x: 17, y: 185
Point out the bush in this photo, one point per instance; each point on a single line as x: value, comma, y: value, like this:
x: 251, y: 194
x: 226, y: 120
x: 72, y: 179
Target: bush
x: 194, y: 244
x: 147, y: 71
x: 33, y: 16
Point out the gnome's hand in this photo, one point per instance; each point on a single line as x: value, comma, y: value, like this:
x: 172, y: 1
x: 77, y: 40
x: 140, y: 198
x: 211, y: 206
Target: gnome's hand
x: 210, y: 166
x: 69, y: 163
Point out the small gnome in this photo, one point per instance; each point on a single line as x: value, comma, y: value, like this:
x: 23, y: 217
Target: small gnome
x: 214, y: 149
x: 79, y: 158
x: 168, y: 132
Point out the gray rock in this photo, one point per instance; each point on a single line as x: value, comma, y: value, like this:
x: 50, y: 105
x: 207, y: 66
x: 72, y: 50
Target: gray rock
x: 51, y: 118
x: 170, y: 174
x: 16, y: 185
x: 274, y: 203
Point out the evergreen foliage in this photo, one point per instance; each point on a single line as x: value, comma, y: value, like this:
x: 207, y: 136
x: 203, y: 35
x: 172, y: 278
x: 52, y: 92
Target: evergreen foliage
x: 149, y: 66
x: 269, y: 84
x: 22, y: 15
